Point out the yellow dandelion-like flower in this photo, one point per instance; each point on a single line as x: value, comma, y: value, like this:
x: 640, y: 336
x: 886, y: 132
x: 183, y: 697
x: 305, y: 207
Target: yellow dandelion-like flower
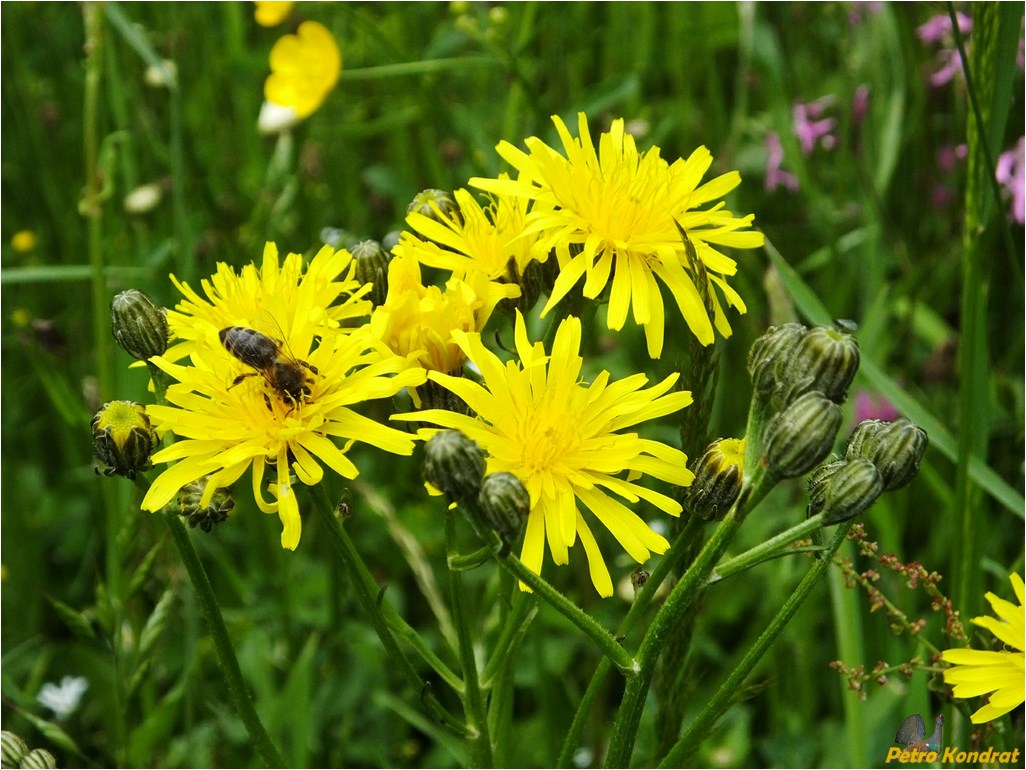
x: 231, y: 414
x: 488, y: 240
x: 537, y: 420
x: 417, y: 321
x: 611, y: 216
x: 977, y: 672
x: 270, y: 13
x: 264, y: 297
x: 304, y: 68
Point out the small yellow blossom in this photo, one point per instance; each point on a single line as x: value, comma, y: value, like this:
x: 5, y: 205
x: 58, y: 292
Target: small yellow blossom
x: 560, y: 436
x: 417, y: 321
x: 488, y: 240
x: 978, y: 672
x: 611, y: 214
x: 23, y: 241
x: 304, y: 68
x: 270, y: 13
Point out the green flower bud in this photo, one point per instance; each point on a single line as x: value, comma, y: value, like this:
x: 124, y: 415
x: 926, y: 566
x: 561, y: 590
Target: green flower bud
x: 435, y: 204
x: 718, y: 476
x: 844, y: 489
x: 38, y: 758
x: 773, y: 352
x: 12, y: 749
x: 139, y: 326
x: 372, y: 267
x: 895, y: 448
x: 799, y: 437
x: 825, y: 360
x: 209, y: 516
x: 123, y: 439
x: 530, y: 283
x: 454, y: 464
x: 504, y: 504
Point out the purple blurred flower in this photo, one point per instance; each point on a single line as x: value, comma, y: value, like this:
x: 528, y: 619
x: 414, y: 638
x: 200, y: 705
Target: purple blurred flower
x: 938, y: 30
x: 859, y: 9
x: 775, y: 176
x: 870, y: 406
x: 1010, y: 173
x: 948, y: 156
x: 810, y: 129
x: 939, y: 27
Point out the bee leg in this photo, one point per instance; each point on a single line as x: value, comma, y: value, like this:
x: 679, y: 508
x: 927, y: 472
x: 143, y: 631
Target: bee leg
x: 241, y: 377
x: 267, y: 401
x: 311, y: 367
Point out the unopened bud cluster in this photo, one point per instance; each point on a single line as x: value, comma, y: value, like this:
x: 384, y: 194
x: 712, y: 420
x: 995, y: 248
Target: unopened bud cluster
x: 800, y: 377
x: 879, y: 457
x: 498, y: 502
x: 123, y: 439
x: 14, y: 752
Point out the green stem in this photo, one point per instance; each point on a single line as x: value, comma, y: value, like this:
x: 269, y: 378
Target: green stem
x: 775, y: 546
x: 370, y: 596
x: 545, y: 591
x: 222, y: 643
x: 719, y: 703
x: 480, y: 746
x: 641, y: 603
x: 628, y: 717
x: 519, y: 618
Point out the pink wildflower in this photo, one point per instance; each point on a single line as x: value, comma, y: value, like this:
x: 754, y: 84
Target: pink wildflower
x: 775, y: 176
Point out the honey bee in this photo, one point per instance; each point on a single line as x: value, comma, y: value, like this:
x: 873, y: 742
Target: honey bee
x: 282, y: 372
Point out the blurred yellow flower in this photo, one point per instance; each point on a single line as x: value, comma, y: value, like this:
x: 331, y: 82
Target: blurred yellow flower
x: 611, y: 215
x: 977, y: 672
x: 304, y: 68
x: 230, y: 416
x: 417, y: 321
x: 23, y: 241
x: 536, y: 419
x: 270, y: 13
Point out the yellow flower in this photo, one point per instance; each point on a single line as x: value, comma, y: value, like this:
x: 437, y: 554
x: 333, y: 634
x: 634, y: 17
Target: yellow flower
x: 259, y: 297
x: 490, y: 241
x: 417, y: 322
x: 977, y: 672
x: 270, y: 13
x: 537, y: 420
x: 611, y: 216
x: 23, y: 241
x: 304, y: 68
x: 229, y: 416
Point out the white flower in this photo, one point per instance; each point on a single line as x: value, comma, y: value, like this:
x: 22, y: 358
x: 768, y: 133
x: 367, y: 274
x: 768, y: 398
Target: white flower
x: 275, y: 119
x: 63, y: 699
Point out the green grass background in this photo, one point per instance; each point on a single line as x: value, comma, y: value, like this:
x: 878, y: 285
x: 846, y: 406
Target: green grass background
x: 92, y: 587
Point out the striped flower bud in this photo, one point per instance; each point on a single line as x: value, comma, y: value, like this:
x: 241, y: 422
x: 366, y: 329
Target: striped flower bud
x: 454, y: 464
x: 504, y: 504
x: 38, y: 758
x: 895, y: 448
x: 718, y: 476
x: 123, y: 439
x: 772, y: 353
x: 435, y: 204
x: 844, y: 489
x: 208, y: 516
x: 798, y: 438
x: 372, y: 267
x: 12, y: 749
x: 825, y: 360
x: 139, y: 326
